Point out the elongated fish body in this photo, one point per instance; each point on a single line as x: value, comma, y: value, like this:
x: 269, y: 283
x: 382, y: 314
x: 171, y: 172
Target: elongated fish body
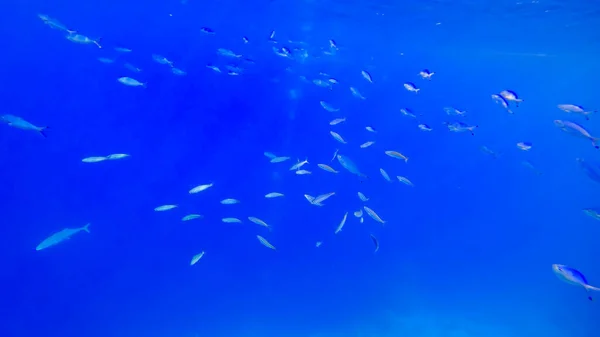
x: 349, y: 165
x: 572, y: 108
x: 576, y: 130
x: 20, y: 123
x: 592, y: 170
x: 573, y: 277
x: 61, y: 236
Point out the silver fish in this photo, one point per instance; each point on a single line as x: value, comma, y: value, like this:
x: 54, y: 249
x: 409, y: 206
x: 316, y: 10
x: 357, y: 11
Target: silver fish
x: 577, y: 130
x: 574, y: 277
x: 20, y: 123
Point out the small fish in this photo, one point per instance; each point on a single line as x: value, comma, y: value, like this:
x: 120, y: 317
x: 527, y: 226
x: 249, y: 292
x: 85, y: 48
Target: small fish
x: 366, y: 144
x: 384, y: 175
x: 61, y: 236
x: 299, y: 164
x: 577, y: 130
x: 525, y: 146
x: 408, y: 112
x: 105, y: 60
x: 82, y: 39
x: 272, y: 36
x: 426, y: 74
x: 319, y: 199
x: 231, y: 220
x: 117, y: 156
x: 375, y: 242
x: 337, y: 137
x: 594, y: 213
x: 327, y: 168
x: 450, y: 111
x: 461, y: 127
x: 191, y: 217
x: 397, y: 155
x: 93, y: 159
x: 178, y: 71
x: 511, y: 96
x: 215, y: 68
x: 228, y: 53
x: 259, y: 222
x: 333, y: 44
x: 367, y: 76
x: 245, y: 39
x: 122, y: 50
x: 362, y: 197
x: 335, y: 154
x: 131, y: 82
x: 411, y: 87
x: 424, y: 127
x: 370, y: 129
x: 349, y: 165
x: 20, y: 123
x: 341, y: 225
x: 273, y: 195
x: 279, y: 159
x: 164, y: 208
x: 270, y: 155
x: 196, y: 258
x: 323, y: 84
x: 574, y: 277
x: 161, y: 60
x: 488, y: 151
x: 131, y: 67
x: 405, y: 180
x: 358, y: 213
x: 571, y: 108
x: 207, y: 30
x: 356, y: 93
x: 530, y: 166
x: 502, y: 101
x: 264, y: 242
x: 337, y: 121
x: 318, y: 244
x: 302, y: 172
x: 229, y: 201
x: 200, y: 188
x: 591, y: 169
x: 55, y: 24
x: 328, y: 107
x: 373, y: 215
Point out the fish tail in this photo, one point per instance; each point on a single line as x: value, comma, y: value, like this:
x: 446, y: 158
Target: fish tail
x: 595, y: 142
x: 86, y: 228
x: 43, y: 131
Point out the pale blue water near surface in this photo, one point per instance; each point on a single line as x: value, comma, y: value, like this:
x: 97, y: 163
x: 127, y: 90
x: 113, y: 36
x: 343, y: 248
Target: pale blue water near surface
x: 466, y: 252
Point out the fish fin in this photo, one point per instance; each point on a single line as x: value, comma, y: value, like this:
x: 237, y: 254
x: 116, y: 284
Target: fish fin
x: 86, y: 228
x: 595, y: 142
x: 43, y: 131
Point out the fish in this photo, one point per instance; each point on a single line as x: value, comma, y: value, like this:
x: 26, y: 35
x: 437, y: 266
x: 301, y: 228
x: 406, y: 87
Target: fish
x: 161, y: 60
x: 327, y: 168
x: 178, y: 71
x: 131, y: 67
x: 61, y: 236
x: 461, y: 127
x: 373, y: 215
x: 303, y: 172
x: 20, y: 123
x: 207, y: 30
x: 196, y: 258
x: 367, y: 76
x: 574, y: 277
x: 279, y: 159
x: 530, y: 166
x: 265, y: 243
x: 311, y: 200
x: 269, y: 155
x: 489, y: 151
x: 318, y: 244
x: 228, y: 53
x: 131, y: 82
x: 408, y: 112
x: 362, y: 197
x: 337, y: 121
x: 397, y: 155
x: 341, y: 225
x: 117, y: 156
x: 424, y: 127
x: 525, y: 146
x: 405, y: 180
x: 259, y: 222
x: 273, y: 195
x: 502, y: 101
x: 328, y: 107
x: 385, y: 175
x: 450, y: 111
x: 511, y: 96
x: 214, y: 68
x: 93, y: 159
x: 191, y: 217
x: 200, y: 188
x: 366, y: 144
x: 571, y: 108
x: 299, y: 164
x: 319, y: 199
x: 123, y: 50
x: 411, y: 87
x: 576, y: 130
x: 594, y: 213
x: 592, y: 170
x: 105, y: 60
x: 231, y: 220
x: 356, y: 93
x: 229, y: 201
x: 82, y: 39
x: 370, y: 129
x: 375, y: 242
x: 335, y: 154
x: 164, y: 208
x: 55, y: 24
x: 349, y: 165
x: 426, y: 74
x: 358, y: 213
x: 337, y: 137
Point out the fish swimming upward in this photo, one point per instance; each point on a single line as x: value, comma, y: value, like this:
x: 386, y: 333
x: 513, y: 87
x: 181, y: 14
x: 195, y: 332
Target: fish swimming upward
x: 61, y: 236
x: 574, y: 277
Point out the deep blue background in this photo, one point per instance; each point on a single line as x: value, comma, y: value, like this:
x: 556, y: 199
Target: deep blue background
x: 466, y: 252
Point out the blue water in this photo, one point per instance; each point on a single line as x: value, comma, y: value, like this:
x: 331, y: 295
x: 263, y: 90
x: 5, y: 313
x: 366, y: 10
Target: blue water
x: 466, y: 252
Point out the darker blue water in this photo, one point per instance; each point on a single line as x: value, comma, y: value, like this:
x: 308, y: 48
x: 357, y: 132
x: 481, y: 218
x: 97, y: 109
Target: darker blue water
x: 465, y: 252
